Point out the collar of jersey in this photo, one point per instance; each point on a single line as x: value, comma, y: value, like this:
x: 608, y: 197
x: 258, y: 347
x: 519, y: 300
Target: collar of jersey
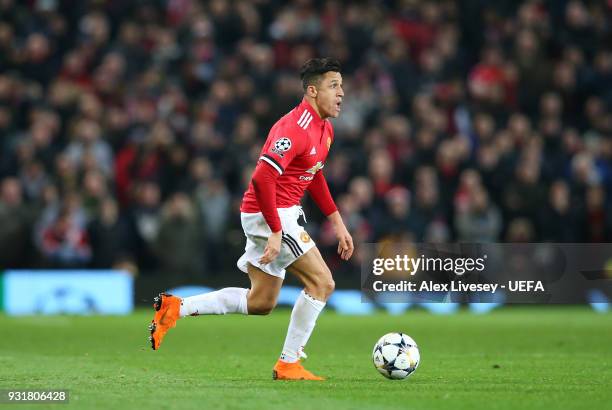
x: 316, y: 120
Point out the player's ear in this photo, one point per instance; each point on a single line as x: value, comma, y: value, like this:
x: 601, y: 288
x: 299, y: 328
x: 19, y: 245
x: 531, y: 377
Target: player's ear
x: 311, y: 91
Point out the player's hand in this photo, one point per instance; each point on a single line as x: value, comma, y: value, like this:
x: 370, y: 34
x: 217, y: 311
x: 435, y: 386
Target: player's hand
x: 345, y: 243
x: 345, y: 240
x: 272, y: 248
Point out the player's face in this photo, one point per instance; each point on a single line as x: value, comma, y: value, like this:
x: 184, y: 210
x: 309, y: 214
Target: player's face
x: 330, y: 94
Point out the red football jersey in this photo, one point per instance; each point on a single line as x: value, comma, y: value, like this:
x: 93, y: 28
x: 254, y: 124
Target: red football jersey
x: 297, y: 147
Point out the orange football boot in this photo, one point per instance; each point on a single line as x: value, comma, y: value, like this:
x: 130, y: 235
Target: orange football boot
x: 167, y: 312
x: 292, y: 371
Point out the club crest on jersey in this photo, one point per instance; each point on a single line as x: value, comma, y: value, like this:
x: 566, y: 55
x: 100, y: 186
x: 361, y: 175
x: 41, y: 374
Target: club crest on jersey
x: 315, y: 168
x: 304, y: 237
x: 281, y: 146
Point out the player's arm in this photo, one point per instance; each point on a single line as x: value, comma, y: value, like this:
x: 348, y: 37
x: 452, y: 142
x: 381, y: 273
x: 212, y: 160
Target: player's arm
x: 272, y: 163
x: 264, y: 185
x: 319, y: 192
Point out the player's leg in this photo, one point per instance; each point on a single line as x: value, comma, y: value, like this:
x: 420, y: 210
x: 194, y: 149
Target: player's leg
x: 169, y: 308
x: 264, y: 291
x: 259, y: 300
x: 313, y: 272
x: 318, y: 283
x: 218, y: 302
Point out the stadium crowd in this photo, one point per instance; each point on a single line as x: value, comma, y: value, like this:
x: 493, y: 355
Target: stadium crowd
x: 129, y: 130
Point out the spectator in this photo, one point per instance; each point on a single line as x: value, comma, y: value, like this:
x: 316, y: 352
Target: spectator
x: 64, y: 243
x: 427, y: 215
x: 145, y: 220
x: 179, y: 242
x: 524, y: 195
x: 109, y: 236
x: 480, y: 221
x: 558, y: 218
x: 15, y: 225
x: 398, y: 221
x: 213, y: 203
x: 88, y: 142
x: 597, y: 227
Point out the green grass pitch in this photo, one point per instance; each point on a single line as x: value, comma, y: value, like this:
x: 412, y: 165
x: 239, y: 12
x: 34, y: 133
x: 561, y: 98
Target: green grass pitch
x: 514, y: 358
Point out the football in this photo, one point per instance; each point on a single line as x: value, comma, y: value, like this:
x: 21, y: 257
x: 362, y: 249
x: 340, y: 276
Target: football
x: 396, y: 356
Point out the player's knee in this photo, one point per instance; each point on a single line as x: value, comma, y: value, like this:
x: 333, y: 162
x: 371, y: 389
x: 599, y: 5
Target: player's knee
x: 261, y: 306
x: 328, y: 287
x: 325, y: 285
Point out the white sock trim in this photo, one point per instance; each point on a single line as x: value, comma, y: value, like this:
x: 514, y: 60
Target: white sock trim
x: 317, y: 304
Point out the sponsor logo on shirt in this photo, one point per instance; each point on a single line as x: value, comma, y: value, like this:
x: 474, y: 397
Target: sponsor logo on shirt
x: 315, y: 168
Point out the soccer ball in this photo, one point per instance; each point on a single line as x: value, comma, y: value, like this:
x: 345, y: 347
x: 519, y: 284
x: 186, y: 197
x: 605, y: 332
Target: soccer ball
x: 396, y: 356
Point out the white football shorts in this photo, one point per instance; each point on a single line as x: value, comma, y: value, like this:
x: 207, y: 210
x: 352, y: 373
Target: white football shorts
x: 295, y: 241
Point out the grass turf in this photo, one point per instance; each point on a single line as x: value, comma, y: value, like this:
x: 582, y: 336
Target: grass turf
x: 528, y: 358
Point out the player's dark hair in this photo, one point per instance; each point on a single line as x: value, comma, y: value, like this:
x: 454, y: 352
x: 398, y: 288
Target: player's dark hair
x: 313, y: 69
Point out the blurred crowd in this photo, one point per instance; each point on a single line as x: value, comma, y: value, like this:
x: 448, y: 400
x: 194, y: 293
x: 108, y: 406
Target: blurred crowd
x: 129, y: 129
